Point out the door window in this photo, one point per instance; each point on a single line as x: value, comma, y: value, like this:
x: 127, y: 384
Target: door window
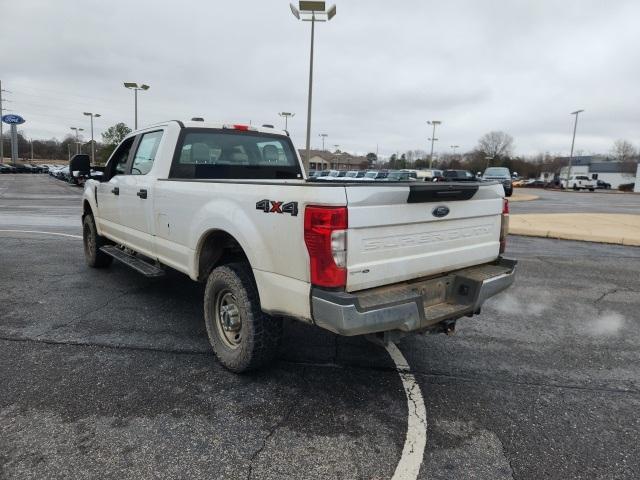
x: 119, y: 158
x: 146, y: 153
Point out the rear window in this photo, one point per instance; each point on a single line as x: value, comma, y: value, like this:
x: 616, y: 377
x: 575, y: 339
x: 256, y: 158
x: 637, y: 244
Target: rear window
x: 220, y: 154
x: 497, y: 172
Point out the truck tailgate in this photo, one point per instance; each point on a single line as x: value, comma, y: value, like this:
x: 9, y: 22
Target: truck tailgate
x: 402, y: 232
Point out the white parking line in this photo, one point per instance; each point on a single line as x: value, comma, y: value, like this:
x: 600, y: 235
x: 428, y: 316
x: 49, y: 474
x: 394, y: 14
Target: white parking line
x: 44, y: 233
x: 409, y: 465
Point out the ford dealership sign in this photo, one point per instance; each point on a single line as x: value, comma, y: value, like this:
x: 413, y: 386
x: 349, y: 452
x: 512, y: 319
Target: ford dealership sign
x: 13, y: 119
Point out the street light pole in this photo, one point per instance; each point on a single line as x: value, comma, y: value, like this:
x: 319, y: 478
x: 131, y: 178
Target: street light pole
x: 433, y: 139
x: 323, y: 135
x: 134, y: 86
x: 286, y: 116
x: 93, y: 147
x: 573, y: 141
x: 312, y: 11
x: 453, y: 147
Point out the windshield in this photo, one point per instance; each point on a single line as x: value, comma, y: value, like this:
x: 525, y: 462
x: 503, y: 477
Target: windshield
x: 371, y: 174
x: 497, y: 172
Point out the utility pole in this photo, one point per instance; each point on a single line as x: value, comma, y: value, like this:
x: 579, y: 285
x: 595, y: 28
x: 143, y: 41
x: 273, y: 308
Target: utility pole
x: 1, y: 131
x: 1, y: 122
x: 323, y: 135
x: 433, y: 139
x: 453, y: 147
x: 573, y: 141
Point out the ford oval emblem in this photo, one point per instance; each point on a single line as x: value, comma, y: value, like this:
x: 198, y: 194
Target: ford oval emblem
x: 13, y: 119
x: 440, y: 211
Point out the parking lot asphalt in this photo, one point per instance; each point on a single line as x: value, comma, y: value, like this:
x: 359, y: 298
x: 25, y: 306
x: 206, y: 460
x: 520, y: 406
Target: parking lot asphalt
x: 557, y: 201
x: 108, y: 374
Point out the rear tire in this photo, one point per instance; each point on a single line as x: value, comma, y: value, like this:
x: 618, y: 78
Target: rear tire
x: 575, y: 187
x: 92, y: 243
x: 592, y: 189
x: 243, y: 337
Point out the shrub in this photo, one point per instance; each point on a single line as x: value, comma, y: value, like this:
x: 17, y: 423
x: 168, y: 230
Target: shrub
x: 626, y: 187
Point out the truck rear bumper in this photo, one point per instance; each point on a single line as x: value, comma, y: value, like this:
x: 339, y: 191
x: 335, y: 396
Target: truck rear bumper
x: 410, y: 306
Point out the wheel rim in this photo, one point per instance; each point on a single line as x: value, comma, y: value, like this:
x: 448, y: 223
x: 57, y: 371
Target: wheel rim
x: 227, y: 318
x: 88, y: 240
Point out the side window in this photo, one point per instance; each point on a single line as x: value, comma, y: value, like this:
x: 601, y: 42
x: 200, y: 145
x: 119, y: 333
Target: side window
x: 146, y: 153
x: 118, y: 161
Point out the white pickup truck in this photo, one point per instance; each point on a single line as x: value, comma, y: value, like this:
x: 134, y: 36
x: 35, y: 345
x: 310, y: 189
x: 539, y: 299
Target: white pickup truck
x: 579, y: 182
x: 230, y: 205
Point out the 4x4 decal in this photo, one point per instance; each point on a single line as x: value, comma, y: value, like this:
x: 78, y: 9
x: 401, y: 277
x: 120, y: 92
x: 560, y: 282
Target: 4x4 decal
x: 273, y: 206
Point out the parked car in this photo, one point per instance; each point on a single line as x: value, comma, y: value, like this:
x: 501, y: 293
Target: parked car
x: 501, y: 174
x: 319, y: 173
x: 579, y: 182
x: 533, y: 183
x: 334, y: 175
x: 603, y: 185
x: 413, y: 174
x: 458, y: 176
x: 429, y: 175
x: 397, y: 176
x: 375, y: 175
x: 354, y: 174
x: 7, y: 168
x: 334, y: 256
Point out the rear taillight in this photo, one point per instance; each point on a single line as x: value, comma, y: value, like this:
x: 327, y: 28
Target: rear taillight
x: 504, y: 225
x: 325, y: 235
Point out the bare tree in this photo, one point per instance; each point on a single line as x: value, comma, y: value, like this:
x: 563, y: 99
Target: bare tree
x: 496, y: 144
x: 623, y: 150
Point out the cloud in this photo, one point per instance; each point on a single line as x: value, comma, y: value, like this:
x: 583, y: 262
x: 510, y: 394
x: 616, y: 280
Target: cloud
x: 382, y: 70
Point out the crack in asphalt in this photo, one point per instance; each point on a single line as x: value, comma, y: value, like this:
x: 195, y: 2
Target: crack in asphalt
x: 208, y: 352
x: 275, y: 427
x: 506, y: 456
x: 608, y: 292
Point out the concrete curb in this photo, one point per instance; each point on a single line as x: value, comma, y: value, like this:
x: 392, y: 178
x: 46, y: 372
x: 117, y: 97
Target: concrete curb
x: 580, y: 227
x: 522, y: 197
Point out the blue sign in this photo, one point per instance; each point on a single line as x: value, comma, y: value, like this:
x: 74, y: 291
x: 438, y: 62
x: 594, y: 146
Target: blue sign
x: 13, y: 119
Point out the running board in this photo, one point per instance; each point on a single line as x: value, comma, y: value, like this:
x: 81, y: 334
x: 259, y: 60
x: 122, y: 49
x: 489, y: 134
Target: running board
x: 145, y: 268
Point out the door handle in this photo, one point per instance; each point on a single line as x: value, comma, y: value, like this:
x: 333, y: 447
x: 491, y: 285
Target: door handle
x: 115, y: 190
x: 142, y: 193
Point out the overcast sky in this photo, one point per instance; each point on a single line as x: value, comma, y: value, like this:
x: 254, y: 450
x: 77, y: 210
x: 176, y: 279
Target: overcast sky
x: 382, y: 69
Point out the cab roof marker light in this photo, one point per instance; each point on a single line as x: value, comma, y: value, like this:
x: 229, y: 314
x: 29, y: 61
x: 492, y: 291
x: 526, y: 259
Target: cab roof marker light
x: 240, y: 127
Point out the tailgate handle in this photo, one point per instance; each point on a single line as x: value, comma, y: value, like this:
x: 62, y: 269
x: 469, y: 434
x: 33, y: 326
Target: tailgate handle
x: 142, y: 193
x: 115, y: 190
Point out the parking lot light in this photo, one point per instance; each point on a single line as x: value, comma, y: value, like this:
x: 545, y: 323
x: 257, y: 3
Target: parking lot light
x: 77, y: 140
x: 93, y: 148
x: 311, y: 11
x: 286, y: 116
x: 134, y: 86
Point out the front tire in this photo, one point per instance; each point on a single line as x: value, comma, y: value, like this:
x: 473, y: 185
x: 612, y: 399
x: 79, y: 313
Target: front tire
x: 243, y: 337
x: 92, y: 243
